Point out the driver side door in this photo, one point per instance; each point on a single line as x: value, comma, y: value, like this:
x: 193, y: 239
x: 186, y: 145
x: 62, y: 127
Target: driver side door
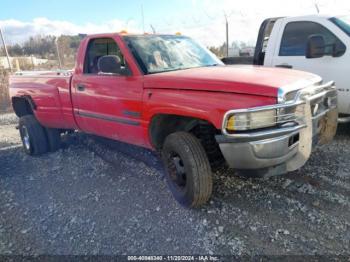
x: 108, y: 104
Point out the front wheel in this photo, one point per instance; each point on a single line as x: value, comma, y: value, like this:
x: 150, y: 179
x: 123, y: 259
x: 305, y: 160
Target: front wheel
x: 188, y: 171
x: 33, y: 136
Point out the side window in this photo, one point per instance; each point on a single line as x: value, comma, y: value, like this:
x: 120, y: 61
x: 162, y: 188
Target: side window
x: 98, y: 48
x: 296, y: 34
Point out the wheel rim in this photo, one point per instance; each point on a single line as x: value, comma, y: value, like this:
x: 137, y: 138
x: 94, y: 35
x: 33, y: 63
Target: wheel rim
x: 177, y: 171
x: 25, y: 138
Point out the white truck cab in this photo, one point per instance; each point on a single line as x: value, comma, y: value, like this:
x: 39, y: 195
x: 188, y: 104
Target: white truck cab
x: 318, y: 44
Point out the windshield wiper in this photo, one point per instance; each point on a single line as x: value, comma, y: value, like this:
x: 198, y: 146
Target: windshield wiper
x: 182, y: 68
x: 213, y: 65
x: 170, y: 70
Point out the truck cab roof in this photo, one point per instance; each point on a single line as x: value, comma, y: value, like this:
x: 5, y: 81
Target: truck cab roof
x: 122, y: 34
x: 308, y: 17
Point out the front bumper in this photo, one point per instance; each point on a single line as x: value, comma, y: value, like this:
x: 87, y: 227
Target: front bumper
x: 287, y: 146
x: 256, y: 154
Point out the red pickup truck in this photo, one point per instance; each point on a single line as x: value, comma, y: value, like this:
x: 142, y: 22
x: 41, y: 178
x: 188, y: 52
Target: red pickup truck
x: 170, y: 94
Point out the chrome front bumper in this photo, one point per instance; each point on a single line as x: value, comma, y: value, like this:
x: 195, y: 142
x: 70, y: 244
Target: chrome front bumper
x: 287, y: 146
x: 257, y: 154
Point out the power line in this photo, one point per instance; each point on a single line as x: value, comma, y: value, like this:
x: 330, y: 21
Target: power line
x: 174, y: 27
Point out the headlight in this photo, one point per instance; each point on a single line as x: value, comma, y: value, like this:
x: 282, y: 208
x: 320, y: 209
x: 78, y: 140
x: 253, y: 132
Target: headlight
x: 254, y: 120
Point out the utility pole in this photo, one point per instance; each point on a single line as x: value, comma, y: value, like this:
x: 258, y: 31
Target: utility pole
x: 5, y: 47
x: 58, y: 54
x: 227, y: 44
x: 33, y: 64
x: 317, y: 8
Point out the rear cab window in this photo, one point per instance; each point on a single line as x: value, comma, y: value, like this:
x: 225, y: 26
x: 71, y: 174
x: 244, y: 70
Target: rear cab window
x: 296, y: 34
x: 98, y: 48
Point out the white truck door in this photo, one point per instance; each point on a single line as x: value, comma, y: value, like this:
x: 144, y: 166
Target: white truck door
x: 290, y: 51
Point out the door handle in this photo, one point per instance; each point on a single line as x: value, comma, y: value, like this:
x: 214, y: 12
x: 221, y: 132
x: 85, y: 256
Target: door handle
x: 284, y: 66
x: 81, y: 87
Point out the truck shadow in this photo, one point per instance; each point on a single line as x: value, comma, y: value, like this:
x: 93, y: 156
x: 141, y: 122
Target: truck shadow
x: 101, y: 146
x: 343, y: 131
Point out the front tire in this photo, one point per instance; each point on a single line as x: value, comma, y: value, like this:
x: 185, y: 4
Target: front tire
x: 33, y: 136
x: 188, y: 171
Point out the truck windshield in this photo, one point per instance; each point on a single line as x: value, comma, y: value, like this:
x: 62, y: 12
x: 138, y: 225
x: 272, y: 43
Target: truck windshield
x: 156, y: 54
x: 343, y: 22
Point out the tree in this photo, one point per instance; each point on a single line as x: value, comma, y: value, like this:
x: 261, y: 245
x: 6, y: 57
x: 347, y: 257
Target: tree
x: 68, y: 47
x: 41, y: 46
x: 219, y: 51
x: 16, y: 50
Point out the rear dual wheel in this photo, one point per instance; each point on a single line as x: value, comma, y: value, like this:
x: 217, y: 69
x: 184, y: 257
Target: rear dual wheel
x: 36, y: 139
x: 53, y: 139
x: 188, y: 172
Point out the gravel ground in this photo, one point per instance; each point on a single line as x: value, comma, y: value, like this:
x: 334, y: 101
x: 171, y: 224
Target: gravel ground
x: 90, y: 198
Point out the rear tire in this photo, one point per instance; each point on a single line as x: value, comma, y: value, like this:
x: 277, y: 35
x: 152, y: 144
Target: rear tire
x: 33, y: 136
x: 53, y: 138
x: 188, y: 171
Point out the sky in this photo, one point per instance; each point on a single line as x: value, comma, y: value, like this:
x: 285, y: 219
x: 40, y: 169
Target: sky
x: 203, y: 20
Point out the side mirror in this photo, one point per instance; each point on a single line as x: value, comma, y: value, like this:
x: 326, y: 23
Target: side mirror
x: 109, y: 64
x: 339, y: 49
x: 315, y: 47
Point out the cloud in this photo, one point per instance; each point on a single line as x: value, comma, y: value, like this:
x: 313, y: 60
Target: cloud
x: 204, y: 20
x: 16, y: 31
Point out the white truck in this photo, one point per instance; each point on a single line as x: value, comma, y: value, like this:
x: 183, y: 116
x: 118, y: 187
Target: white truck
x: 318, y: 44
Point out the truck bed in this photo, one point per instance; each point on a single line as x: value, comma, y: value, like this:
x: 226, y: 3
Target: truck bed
x: 44, y: 73
x: 49, y: 92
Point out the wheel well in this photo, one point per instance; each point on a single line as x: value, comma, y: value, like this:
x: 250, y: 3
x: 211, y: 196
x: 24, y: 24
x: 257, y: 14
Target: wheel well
x: 22, y: 106
x: 164, y: 125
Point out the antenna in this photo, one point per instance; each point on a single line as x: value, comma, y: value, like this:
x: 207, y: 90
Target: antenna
x: 210, y: 17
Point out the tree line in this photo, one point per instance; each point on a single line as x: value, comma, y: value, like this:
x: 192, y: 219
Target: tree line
x: 45, y: 47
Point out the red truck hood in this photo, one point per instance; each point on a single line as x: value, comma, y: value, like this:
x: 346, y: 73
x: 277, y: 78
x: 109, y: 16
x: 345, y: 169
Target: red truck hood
x: 254, y: 80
